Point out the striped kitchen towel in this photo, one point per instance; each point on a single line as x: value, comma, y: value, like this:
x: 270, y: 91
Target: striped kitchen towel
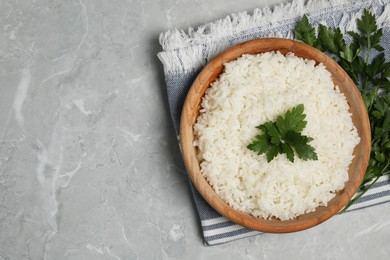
x: 185, y: 53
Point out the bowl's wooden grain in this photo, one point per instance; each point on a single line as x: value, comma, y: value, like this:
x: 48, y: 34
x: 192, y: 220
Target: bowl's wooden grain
x: 359, y: 117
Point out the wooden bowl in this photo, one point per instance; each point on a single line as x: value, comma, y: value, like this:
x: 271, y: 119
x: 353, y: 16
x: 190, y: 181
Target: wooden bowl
x: 361, y: 153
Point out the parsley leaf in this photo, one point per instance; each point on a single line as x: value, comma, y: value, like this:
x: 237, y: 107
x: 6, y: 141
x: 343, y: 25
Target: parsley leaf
x: 286, y: 149
x: 260, y: 144
x: 367, y: 24
x: 328, y: 38
x: 295, y: 119
x: 305, y: 31
x: 284, y: 137
x: 301, y: 146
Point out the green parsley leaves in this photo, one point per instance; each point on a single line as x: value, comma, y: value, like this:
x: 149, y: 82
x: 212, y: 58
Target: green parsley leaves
x: 305, y: 32
x: 364, y: 61
x: 284, y: 137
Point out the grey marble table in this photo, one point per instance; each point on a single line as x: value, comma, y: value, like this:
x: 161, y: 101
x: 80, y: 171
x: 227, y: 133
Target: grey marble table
x: 89, y: 165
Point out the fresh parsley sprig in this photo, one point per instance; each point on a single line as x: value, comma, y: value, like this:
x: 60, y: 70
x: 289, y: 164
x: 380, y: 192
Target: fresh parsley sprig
x: 284, y: 137
x: 364, y: 61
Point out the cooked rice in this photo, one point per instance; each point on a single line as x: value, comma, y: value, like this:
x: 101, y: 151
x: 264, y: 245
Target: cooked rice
x: 257, y: 88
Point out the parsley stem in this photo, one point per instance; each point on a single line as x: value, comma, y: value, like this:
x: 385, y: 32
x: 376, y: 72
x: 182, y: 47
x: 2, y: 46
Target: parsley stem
x: 368, y: 54
x: 364, y: 88
x: 368, y: 48
x: 385, y: 168
x: 371, y: 103
x: 359, y: 196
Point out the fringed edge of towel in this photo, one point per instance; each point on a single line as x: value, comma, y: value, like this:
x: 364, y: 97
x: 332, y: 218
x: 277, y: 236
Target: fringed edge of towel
x: 188, y: 51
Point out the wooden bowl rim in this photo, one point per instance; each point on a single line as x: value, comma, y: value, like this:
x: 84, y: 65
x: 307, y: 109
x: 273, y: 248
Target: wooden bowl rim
x: 304, y: 221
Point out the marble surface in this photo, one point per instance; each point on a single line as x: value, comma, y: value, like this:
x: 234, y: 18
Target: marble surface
x: 89, y: 165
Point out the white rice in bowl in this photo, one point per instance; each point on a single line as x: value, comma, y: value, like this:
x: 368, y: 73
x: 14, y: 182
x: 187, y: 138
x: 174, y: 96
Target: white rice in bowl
x: 257, y: 88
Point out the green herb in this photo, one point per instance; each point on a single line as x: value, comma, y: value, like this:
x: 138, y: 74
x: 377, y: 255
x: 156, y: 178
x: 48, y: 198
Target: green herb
x: 284, y: 136
x: 364, y: 61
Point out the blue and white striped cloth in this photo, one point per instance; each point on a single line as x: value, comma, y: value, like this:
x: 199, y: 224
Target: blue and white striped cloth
x: 185, y: 53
